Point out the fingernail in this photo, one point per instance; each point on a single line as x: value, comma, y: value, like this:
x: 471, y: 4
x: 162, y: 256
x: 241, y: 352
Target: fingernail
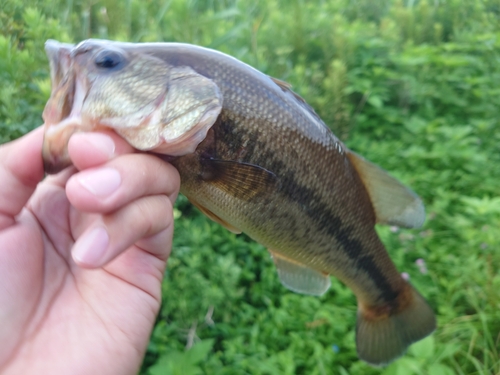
x: 101, y: 142
x: 102, y: 182
x: 90, y: 248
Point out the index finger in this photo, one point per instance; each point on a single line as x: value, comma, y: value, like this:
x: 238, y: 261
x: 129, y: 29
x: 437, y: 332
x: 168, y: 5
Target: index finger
x: 89, y: 150
x: 21, y: 168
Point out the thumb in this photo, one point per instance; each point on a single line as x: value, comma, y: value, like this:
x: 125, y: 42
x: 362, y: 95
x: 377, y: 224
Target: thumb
x: 21, y: 168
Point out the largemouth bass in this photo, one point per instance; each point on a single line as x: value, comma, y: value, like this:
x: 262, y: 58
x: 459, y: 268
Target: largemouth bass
x: 254, y: 157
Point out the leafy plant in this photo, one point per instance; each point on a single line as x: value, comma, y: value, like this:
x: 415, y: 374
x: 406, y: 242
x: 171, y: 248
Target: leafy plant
x: 182, y: 363
x: 412, y: 85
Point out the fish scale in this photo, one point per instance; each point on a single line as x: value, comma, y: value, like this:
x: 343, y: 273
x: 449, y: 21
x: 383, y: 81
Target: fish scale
x: 256, y: 158
x: 325, y: 226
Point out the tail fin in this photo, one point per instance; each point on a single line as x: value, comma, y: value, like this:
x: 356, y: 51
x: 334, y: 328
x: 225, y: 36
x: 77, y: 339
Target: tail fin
x: 383, y: 335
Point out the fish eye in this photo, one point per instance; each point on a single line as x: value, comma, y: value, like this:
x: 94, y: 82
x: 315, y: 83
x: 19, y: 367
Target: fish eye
x: 108, y: 59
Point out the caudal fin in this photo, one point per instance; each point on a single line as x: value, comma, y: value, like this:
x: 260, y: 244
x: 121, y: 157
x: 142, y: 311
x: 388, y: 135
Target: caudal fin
x: 383, y: 335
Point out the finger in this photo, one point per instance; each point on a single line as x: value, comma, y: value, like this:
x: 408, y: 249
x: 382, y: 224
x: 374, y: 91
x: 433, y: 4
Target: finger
x: 120, y: 181
x: 21, y: 168
x: 109, y: 237
x: 60, y: 179
x: 88, y: 150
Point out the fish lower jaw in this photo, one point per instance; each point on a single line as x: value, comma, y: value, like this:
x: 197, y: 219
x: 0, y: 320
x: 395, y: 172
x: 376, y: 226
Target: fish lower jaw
x: 55, y: 143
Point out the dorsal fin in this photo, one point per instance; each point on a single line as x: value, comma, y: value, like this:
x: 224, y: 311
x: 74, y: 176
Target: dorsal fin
x: 287, y: 88
x: 393, y: 202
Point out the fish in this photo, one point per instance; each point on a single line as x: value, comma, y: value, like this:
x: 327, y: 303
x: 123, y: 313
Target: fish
x: 254, y: 157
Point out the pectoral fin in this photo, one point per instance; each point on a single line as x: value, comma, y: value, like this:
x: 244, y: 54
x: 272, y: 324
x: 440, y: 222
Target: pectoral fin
x: 240, y: 180
x: 393, y: 202
x: 300, y: 278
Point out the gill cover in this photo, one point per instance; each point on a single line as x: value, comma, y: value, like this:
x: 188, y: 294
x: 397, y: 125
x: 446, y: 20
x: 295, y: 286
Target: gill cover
x: 153, y: 105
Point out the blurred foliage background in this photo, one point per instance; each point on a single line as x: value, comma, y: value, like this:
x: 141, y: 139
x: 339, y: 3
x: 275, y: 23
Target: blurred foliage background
x: 413, y: 85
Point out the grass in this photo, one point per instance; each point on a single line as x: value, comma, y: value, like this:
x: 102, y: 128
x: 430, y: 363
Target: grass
x: 411, y: 85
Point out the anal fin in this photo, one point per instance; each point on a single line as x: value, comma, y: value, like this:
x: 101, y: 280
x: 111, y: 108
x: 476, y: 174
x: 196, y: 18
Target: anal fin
x: 300, y: 278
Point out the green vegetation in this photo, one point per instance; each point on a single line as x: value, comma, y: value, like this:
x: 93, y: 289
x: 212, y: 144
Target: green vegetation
x: 412, y: 85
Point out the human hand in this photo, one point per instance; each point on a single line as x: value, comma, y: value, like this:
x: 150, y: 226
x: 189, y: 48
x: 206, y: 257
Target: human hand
x: 82, y: 255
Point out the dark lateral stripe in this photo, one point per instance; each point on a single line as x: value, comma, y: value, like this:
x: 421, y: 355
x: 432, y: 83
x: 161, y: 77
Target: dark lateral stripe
x: 326, y: 220
x: 316, y: 209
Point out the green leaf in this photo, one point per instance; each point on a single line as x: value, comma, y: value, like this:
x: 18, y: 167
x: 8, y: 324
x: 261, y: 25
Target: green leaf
x: 423, y: 349
x: 182, y: 363
x: 375, y: 101
x: 199, y: 351
x: 440, y: 369
x: 403, y: 366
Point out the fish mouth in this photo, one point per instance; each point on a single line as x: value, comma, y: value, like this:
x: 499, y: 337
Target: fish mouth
x: 62, y: 114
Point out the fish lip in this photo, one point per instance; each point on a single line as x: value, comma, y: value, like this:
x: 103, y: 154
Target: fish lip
x: 62, y: 113
x: 59, y: 59
x: 57, y: 133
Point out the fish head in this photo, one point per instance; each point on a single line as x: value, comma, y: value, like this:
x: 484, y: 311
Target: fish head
x: 107, y: 85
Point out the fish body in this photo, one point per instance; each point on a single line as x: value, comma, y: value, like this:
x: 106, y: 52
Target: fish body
x: 256, y: 158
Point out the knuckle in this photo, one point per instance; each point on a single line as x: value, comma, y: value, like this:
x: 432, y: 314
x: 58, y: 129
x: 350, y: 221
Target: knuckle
x: 154, y: 214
